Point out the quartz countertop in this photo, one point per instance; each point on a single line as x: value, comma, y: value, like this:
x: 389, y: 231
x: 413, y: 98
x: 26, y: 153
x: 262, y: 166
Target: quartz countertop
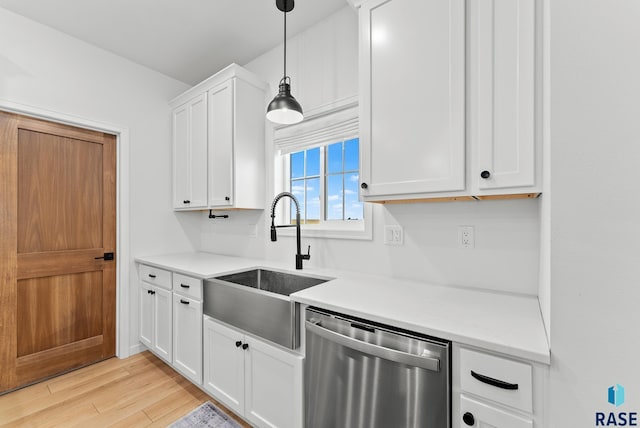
x: 501, y: 322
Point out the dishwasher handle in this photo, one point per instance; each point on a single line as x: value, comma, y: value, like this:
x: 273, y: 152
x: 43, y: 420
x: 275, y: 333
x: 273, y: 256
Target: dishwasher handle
x: 428, y: 363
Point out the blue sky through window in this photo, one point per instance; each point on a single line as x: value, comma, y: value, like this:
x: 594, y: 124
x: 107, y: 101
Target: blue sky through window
x: 340, y: 180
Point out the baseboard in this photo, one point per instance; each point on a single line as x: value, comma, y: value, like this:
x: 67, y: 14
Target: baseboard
x: 136, y: 349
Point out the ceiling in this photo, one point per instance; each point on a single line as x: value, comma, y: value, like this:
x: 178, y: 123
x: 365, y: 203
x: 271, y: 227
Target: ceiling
x: 188, y: 40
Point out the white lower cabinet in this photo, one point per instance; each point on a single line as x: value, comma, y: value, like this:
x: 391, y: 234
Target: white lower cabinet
x: 495, y: 391
x: 478, y: 414
x: 171, y: 319
x: 155, y: 320
x: 187, y: 337
x: 256, y: 380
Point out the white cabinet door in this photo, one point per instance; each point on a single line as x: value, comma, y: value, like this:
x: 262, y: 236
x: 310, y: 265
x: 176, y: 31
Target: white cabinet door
x: 221, y: 162
x: 412, y: 73
x: 162, y: 328
x: 224, y: 364
x: 479, y: 414
x: 502, y: 85
x: 146, y: 315
x: 190, y: 154
x: 187, y: 338
x: 273, y: 386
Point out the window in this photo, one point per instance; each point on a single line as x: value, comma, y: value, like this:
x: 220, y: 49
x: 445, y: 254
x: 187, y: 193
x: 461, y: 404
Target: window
x: 325, y: 182
x: 318, y: 161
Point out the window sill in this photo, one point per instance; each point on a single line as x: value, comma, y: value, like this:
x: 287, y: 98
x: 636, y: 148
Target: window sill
x: 361, y: 231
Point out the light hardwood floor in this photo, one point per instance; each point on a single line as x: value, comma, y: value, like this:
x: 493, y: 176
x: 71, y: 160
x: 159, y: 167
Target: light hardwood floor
x: 140, y: 391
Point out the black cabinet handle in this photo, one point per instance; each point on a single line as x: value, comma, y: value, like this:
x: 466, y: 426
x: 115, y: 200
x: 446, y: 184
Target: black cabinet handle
x: 148, y: 291
x: 184, y: 302
x: 494, y: 382
x: 238, y: 344
x: 364, y: 185
x: 245, y: 346
x: 485, y: 174
x: 226, y: 198
x: 186, y: 201
x: 184, y: 286
x: 152, y: 292
x: 151, y: 276
x: 468, y: 419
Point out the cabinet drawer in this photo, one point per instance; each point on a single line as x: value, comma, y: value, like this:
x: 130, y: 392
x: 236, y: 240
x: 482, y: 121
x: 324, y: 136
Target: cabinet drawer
x: 188, y: 286
x: 498, y: 379
x: 153, y: 275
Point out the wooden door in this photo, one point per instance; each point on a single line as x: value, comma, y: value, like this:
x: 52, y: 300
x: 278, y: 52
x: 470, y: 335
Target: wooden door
x: 57, y: 218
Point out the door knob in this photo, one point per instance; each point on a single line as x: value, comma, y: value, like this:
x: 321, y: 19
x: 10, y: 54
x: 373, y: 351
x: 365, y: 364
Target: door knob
x: 245, y: 346
x: 485, y: 174
x: 238, y: 344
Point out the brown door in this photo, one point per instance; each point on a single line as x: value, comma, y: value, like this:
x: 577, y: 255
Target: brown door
x: 57, y: 218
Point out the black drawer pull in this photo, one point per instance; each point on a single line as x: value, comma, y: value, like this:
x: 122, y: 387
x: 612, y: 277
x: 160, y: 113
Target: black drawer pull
x: 186, y: 201
x: 184, y: 286
x: 245, y: 346
x: 152, y: 292
x: 151, y: 276
x: 184, y: 302
x: 238, y: 344
x: 494, y: 382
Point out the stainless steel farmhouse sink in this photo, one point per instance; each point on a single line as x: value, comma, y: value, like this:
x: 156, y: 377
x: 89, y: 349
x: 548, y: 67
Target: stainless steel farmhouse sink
x: 257, y: 301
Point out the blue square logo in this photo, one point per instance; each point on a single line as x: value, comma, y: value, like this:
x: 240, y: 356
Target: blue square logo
x: 616, y: 395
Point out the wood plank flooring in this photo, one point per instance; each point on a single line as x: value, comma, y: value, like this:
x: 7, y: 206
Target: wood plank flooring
x: 140, y: 391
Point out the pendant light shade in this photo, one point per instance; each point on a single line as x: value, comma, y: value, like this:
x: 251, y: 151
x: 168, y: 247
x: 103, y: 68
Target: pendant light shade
x: 284, y: 108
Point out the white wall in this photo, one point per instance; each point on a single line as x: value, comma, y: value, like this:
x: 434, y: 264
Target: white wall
x: 595, y: 238
x: 323, y: 64
x: 46, y: 69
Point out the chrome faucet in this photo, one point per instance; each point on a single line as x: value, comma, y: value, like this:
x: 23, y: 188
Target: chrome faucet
x: 299, y: 256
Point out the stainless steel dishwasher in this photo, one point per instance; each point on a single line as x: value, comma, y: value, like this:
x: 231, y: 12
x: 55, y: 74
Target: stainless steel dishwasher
x: 360, y: 374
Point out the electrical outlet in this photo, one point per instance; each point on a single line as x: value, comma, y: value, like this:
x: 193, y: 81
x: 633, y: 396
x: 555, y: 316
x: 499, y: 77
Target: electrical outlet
x: 466, y: 237
x: 393, y: 235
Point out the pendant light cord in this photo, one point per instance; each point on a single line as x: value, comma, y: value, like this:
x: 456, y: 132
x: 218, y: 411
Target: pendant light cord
x: 285, y: 41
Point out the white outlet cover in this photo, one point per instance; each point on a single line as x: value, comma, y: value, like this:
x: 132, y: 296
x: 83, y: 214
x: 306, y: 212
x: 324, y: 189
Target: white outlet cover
x: 466, y: 237
x: 393, y: 235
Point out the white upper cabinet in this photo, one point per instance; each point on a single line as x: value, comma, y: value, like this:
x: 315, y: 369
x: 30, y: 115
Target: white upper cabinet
x: 219, y: 125
x: 221, y: 144
x: 190, y: 154
x: 236, y: 145
x: 412, y: 80
x: 503, y: 96
x: 415, y: 90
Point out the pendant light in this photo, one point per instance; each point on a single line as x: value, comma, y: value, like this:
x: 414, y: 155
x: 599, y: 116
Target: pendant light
x: 284, y: 108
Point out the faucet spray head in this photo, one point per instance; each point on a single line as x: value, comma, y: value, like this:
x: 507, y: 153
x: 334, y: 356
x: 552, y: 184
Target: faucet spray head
x: 274, y: 237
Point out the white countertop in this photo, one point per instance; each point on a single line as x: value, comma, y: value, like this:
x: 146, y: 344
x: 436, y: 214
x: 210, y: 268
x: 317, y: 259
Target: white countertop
x: 510, y: 324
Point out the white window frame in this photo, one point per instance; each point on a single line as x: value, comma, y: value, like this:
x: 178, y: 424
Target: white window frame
x: 331, y: 229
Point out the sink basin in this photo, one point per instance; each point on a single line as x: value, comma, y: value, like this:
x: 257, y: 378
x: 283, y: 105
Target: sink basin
x: 272, y: 281
x: 257, y: 301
